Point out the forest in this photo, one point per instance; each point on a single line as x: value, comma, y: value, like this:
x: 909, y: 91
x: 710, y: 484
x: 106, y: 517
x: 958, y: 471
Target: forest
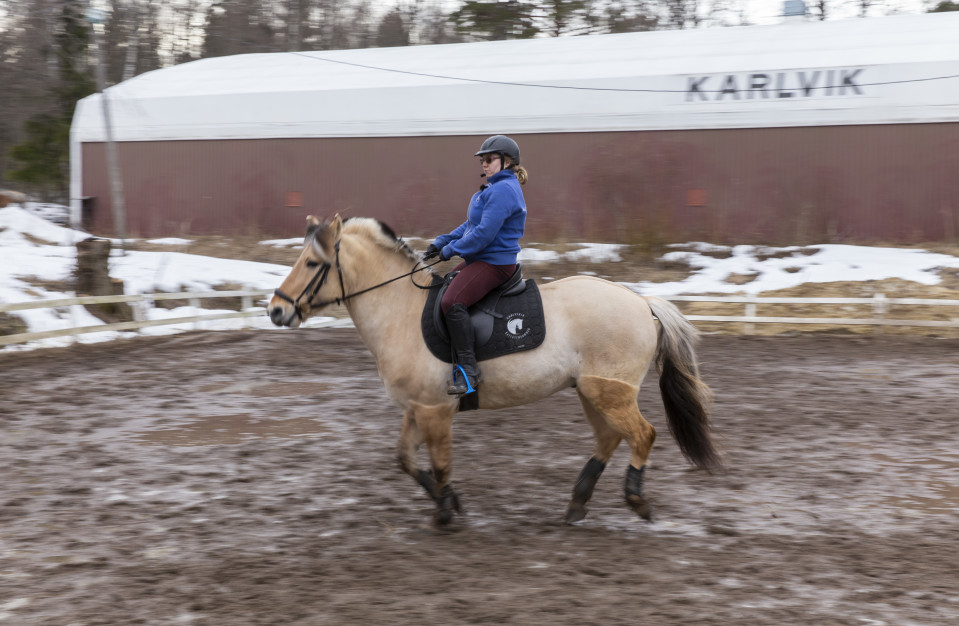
x: 51, y: 50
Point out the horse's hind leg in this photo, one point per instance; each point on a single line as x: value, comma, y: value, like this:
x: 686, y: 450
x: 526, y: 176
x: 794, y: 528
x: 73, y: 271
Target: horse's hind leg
x: 615, y: 402
x: 607, y: 440
x: 432, y: 425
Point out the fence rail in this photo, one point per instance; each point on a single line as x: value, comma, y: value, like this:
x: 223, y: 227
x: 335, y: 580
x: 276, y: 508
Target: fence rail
x: 879, y: 302
x: 140, y: 303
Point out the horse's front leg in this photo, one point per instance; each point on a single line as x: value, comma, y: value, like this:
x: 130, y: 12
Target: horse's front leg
x: 434, y: 426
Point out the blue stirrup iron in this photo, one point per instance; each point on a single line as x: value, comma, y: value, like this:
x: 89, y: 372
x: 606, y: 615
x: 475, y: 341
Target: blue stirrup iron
x: 469, y: 388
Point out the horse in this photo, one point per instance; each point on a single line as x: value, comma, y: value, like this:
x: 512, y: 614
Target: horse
x: 601, y: 339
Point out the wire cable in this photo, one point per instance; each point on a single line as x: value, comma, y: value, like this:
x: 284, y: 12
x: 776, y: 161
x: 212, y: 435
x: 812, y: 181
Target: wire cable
x: 579, y: 88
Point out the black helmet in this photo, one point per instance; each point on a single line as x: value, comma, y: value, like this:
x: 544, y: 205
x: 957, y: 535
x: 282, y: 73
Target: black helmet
x: 503, y: 145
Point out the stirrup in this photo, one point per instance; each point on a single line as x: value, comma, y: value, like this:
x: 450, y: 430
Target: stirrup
x: 461, y: 388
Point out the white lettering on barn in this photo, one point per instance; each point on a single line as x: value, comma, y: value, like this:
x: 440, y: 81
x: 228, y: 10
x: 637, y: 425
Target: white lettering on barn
x: 775, y: 85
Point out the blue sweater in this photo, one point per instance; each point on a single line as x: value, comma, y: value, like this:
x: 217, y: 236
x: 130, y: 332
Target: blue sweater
x: 494, y: 224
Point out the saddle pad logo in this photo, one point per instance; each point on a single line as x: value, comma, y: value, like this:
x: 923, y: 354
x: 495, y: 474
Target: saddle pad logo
x: 515, y: 326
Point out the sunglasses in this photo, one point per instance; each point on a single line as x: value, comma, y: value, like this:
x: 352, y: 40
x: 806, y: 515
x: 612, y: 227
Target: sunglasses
x: 489, y: 158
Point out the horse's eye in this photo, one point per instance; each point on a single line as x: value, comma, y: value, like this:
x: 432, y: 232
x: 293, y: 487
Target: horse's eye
x: 312, y: 264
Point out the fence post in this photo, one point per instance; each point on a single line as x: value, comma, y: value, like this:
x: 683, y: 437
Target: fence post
x: 140, y: 311
x: 749, y: 328
x: 195, y: 303
x: 246, y: 303
x: 73, y: 319
x: 879, y: 309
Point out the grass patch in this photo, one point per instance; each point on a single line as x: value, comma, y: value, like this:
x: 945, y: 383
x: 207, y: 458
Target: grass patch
x: 741, y: 279
x: 11, y: 325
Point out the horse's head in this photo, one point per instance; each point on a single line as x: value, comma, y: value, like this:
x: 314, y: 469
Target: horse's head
x: 310, y: 285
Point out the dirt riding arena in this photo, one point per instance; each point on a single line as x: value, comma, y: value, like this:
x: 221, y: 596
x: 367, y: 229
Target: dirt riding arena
x: 249, y: 478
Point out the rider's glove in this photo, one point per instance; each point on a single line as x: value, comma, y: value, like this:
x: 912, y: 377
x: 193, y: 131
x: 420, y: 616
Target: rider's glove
x: 431, y: 252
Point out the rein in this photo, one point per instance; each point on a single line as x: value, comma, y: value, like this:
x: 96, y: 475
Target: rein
x: 323, y: 273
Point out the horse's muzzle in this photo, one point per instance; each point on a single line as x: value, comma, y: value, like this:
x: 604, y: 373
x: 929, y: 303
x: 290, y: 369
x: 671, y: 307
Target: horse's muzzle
x: 281, y: 317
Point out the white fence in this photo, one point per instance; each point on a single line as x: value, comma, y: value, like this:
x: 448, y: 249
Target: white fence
x: 879, y: 302
x: 141, y: 302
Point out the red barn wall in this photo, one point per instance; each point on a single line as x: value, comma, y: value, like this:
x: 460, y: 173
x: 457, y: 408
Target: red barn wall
x: 856, y: 184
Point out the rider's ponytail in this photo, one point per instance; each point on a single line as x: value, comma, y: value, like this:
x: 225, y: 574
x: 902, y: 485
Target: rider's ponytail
x: 521, y: 174
x: 519, y: 170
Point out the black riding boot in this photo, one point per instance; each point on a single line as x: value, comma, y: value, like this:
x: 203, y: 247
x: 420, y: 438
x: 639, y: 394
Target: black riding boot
x: 461, y: 336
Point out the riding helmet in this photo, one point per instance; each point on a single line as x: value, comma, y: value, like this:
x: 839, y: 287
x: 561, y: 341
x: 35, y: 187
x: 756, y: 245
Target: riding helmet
x: 503, y: 145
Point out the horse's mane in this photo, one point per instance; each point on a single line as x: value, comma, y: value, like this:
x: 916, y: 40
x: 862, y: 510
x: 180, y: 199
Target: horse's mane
x: 380, y: 233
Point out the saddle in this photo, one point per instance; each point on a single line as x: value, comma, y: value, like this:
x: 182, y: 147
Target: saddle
x: 508, y: 319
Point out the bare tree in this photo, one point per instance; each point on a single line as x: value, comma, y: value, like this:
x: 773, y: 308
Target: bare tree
x: 132, y: 37
x: 680, y: 13
x: 725, y: 13
x: 430, y: 24
x: 819, y: 9
x: 865, y: 6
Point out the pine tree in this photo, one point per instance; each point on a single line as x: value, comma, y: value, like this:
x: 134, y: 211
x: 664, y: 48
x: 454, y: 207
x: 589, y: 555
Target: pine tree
x: 44, y: 154
x: 392, y: 30
x: 490, y: 20
x: 945, y: 6
x: 566, y: 17
x: 239, y: 27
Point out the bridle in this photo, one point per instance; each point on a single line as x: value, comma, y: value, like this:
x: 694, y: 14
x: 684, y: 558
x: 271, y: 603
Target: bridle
x: 323, y: 273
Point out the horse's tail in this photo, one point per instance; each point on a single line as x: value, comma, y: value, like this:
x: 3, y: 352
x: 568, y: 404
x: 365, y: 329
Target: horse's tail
x: 685, y: 396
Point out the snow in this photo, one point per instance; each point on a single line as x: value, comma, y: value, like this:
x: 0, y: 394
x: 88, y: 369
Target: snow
x: 588, y: 252
x: 283, y: 243
x: 829, y: 263
x: 33, y: 250
x: 532, y: 254
x: 596, y: 253
x: 169, y: 241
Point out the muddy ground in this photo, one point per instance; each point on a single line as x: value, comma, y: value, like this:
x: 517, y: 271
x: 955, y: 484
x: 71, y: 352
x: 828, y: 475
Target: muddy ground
x: 249, y: 478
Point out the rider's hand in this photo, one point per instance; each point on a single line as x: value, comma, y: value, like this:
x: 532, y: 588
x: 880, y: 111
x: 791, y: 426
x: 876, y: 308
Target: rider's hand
x: 431, y: 252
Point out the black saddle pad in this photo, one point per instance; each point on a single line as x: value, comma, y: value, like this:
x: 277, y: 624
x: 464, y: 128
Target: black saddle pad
x: 517, y: 324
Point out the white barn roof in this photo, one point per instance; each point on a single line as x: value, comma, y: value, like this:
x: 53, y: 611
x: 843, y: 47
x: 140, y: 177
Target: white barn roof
x: 858, y: 71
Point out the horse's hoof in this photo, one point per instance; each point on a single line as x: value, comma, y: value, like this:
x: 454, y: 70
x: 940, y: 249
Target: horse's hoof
x: 575, y: 514
x: 443, y: 517
x: 639, y: 504
x: 446, y: 504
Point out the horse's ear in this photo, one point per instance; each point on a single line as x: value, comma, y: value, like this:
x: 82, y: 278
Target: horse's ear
x: 336, y: 226
x: 324, y: 239
x: 312, y: 225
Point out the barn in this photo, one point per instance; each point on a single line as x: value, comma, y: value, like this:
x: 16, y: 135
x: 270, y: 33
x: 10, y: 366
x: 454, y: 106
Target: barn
x: 798, y: 132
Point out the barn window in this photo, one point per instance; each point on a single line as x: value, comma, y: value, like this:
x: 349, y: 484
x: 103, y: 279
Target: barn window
x: 294, y: 198
x: 695, y: 197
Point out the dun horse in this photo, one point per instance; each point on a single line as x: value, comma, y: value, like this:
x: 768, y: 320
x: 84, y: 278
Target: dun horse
x: 600, y: 339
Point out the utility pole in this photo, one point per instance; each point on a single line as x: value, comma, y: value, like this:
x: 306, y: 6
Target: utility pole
x: 96, y: 18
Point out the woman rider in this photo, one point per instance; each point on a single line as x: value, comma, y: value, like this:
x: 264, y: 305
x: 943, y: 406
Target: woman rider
x: 488, y: 242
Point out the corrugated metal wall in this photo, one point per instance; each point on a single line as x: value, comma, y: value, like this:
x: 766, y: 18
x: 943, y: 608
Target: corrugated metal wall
x: 890, y: 183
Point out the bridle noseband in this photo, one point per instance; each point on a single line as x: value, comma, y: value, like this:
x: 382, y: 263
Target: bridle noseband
x: 323, y: 273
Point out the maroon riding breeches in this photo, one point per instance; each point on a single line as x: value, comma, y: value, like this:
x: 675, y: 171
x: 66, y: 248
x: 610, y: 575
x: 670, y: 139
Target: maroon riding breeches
x: 473, y: 282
